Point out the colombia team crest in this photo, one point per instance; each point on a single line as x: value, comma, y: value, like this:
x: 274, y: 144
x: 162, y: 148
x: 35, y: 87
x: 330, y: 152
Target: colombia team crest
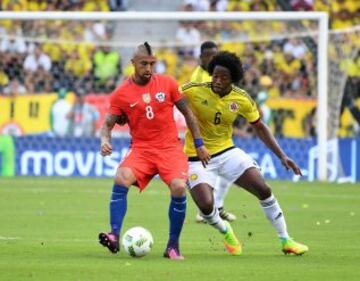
x: 146, y: 98
x: 233, y: 106
x: 160, y: 97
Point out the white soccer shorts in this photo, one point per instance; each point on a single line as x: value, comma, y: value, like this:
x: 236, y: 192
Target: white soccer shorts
x: 230, y: 165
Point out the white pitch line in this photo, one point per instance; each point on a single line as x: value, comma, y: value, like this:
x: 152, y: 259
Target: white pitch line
x: 10, y: 238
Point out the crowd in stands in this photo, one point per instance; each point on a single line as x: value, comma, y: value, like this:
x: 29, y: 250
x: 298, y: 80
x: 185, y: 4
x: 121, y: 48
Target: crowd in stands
x: 44, y: 56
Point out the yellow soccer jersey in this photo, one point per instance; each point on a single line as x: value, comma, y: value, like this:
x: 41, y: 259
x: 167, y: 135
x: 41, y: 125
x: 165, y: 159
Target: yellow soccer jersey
x: 200, y: 75
x: 216, y: 115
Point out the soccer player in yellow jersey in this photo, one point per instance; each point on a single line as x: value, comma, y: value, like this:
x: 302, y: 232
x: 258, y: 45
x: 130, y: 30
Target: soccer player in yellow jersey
x: 208, y: 50
x: 216, y: 104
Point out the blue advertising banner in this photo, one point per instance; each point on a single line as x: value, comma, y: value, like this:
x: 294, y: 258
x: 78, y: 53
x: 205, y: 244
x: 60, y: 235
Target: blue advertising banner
x: 48, y: 156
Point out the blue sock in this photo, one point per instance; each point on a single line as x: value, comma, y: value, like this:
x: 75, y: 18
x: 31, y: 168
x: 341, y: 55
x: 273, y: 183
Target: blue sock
x: 118, y: 207
x: 177, y: 211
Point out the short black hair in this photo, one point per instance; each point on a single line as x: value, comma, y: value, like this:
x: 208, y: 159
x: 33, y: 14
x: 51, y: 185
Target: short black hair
x: 207, y: 45
x: 229, y: 61
x: 148, y: 48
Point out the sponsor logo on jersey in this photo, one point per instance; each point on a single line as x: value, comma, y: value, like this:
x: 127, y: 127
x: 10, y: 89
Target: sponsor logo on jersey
x: 146, y: 98
x: 193, y: 177
x: 233, y: 106
x: 160, y: 97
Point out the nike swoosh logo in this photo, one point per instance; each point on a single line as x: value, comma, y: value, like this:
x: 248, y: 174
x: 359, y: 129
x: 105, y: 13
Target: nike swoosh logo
x: 133, y: 104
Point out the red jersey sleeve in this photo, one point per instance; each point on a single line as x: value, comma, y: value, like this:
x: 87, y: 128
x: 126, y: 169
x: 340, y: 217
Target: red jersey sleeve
x: 115, y: 103
x: 176, y: 95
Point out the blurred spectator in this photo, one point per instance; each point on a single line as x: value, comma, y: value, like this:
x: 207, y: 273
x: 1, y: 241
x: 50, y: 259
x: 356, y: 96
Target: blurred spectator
x: 13, y: 50
x: 196, y: 5
x: 295, y: 47
x: 218, y: 5
x: 79, y: 69
x: 59, y: 113
x: 14, y: 88
x: 188, y: 38
x: 95, y: 5
x: 13, y: 44
x: 261, y: 98
x: 83, y: 116
x: 302, y: 5
x: 4, y: 79
x: 94, y: 31
x: 37, y: 67
x: 118, y: 5
x: 107, y: 68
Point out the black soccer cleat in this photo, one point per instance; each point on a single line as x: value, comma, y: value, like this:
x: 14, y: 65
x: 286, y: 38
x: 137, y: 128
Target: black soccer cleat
x: 110, y: 240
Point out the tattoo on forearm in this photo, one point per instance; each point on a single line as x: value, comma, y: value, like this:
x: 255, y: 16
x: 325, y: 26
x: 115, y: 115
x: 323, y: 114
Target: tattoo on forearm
x: 108, y: 125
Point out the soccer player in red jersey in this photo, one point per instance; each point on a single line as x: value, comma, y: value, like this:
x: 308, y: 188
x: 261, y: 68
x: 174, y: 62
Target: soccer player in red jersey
x: 145, y: 101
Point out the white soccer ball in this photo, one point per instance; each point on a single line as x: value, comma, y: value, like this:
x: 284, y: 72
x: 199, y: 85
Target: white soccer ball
x: 137, y: 241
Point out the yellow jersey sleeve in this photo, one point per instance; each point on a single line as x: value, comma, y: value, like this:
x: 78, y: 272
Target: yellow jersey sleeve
x: 246, y: 105
x: 200, y: 75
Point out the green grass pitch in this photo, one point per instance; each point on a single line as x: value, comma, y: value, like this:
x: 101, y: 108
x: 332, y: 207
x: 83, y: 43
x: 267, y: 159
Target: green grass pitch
x: 49, y: 227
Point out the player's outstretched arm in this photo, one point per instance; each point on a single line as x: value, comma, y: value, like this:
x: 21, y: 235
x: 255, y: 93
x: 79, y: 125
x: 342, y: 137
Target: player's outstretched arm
x: 105, y: 132
x: 264, y: 133
x: 191, y: 123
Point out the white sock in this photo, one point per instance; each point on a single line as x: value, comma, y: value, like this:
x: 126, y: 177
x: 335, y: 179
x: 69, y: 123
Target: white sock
x: 221, y: 189
x: 215, y: 221
x: 275, y: 215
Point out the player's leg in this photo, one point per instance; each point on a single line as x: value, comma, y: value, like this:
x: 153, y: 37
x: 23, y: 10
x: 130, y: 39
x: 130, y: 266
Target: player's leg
x: 176, y: 214
x: 124, y: 178
x: 201, y: 191
x: 174, y: 174
x: 253, y: 181
x: 134, y: 169
x: 221, y: 189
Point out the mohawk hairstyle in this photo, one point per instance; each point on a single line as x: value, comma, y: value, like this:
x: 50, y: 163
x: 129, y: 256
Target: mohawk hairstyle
x: 148, y: 48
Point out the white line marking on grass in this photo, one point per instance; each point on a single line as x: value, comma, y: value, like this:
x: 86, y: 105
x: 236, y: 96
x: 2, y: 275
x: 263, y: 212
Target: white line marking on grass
x: 9, y: 238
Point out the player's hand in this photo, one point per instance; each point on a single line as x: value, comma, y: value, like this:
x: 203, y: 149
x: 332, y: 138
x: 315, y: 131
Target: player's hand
x: 290, y: 164
x: 203, y: 155
x: 105, y: 148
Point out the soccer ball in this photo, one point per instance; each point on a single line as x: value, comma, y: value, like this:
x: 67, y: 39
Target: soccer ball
x: 137, y: 241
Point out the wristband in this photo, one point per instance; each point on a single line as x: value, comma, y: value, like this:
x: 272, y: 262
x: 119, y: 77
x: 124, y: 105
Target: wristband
x: 198, y: 143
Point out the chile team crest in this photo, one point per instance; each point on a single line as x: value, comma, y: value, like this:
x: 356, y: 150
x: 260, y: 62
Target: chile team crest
x: 146, y: 98
x: 233, y: 106
x: 160, y: 97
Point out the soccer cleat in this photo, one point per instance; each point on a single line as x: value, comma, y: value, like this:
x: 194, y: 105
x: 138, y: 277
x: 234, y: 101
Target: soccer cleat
x: 225, y: 215
x: 109, y: 240
x: 289, y: 246
x: 173, y: 253
x: 231, y: 243
x: 199, y: 218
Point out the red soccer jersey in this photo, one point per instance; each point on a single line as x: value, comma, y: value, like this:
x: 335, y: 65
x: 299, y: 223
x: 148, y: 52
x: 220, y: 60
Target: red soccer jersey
x: 149, y: 109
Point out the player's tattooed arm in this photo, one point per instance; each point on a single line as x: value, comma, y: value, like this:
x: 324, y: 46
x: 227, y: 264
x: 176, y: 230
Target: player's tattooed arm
x: 105, y: 132
x: 192, y: 124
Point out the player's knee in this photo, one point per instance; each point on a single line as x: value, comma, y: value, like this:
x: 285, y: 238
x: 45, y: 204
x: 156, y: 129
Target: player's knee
x: 178, y: 187
x: 124, y: 177
x: 264, y: 192
x: 206, y: 206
